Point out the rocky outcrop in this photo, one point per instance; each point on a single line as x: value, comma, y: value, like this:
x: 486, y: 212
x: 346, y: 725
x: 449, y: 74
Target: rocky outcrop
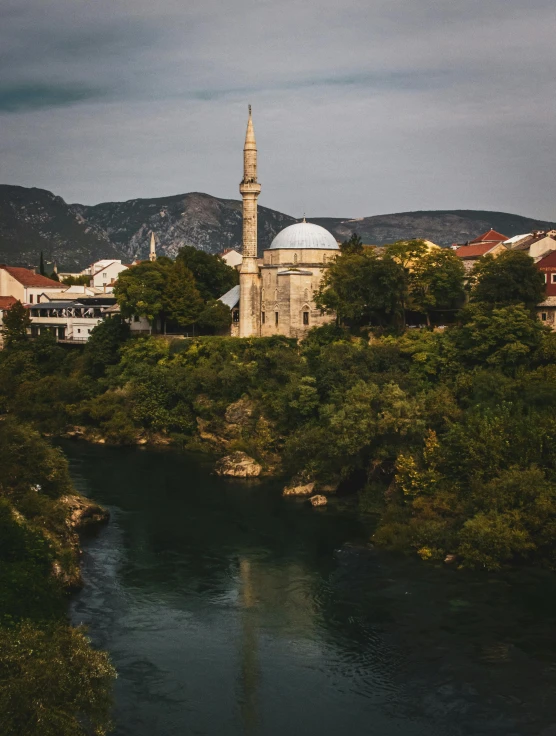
x: 299, y: 489
x: 84, y: 514
x: 318, y: 500
x: 240, y: 412
x: 238, y: 465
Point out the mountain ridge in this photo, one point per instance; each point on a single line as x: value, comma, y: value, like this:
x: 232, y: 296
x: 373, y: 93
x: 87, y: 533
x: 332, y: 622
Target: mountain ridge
x: 34, y: 220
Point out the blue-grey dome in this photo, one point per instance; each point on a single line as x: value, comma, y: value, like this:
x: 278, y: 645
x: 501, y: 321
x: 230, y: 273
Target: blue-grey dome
x: 304, y: 235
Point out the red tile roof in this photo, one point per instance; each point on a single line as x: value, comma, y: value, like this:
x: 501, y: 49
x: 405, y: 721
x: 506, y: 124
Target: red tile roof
x: 7, y: 301
x: 474, y: 251
x: 28, y: 278
x: 491, y: 236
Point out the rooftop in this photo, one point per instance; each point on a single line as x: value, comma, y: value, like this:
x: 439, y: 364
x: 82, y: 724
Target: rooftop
x: 491, y: 236
x: 474, y: 251
x: 26, y: 277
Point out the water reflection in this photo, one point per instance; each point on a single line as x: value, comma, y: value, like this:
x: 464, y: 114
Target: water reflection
x: 229, y: 611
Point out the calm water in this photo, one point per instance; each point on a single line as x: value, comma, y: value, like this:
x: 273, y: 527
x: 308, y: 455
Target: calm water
x: 228, y: 610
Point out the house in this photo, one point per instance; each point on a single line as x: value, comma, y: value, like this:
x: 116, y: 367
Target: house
x: 26, y: 285
x: 231, y: 257
x: 69, y: 320
x: 104, y: 273
x: 6, y: 302
x: 470, y: 254
x: 536, y: 244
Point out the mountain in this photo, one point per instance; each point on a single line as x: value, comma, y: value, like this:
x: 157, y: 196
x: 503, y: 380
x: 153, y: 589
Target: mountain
x: 74, y: 235
x: 443, y: 227
x: 35, y: 220
x: 209, y: 223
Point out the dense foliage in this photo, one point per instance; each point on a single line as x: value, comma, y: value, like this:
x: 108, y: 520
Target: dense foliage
x: 180, y: 292
x: 447, y: 434
x: 51, y: 681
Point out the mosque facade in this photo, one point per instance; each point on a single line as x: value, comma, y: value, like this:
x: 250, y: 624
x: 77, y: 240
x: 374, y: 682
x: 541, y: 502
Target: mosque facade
x: 276, y: 297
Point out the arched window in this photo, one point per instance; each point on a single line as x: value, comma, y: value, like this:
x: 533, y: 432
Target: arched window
x: 295, y: 257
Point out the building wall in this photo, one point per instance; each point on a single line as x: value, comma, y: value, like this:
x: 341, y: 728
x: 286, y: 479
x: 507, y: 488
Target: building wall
x: 291, y: 294
x: 10, y: 287
x: 106, y: 276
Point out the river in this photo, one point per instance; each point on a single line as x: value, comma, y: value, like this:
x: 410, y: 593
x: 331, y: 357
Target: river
x: 228, y: 610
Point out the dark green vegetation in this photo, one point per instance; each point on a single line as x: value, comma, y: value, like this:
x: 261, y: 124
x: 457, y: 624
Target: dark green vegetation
x: 52, y: 683
x: 74, y: 235
x: 448, y: 434
x: 180, y: 293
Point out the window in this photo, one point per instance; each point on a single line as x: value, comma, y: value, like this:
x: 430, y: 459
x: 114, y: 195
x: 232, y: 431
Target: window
x: 543, y: 316
x: 31, y: 297
x: 235, y: 316
x: 276, y: 318
x: 78, y: 332
x: 295, y: 257
x: 305, y: 318
x: 38, y: 298
x: 263, y: 317
x: 136, y: 318
x: 553, y: 276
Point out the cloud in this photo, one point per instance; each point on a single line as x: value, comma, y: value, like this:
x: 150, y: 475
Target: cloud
x: 360, y: 107
x: 26, y: 98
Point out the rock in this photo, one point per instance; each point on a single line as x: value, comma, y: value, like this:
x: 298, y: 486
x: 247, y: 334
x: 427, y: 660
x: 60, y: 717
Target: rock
x: 203, y: 427
x: 318, y: 500
x: 299, y: 490
x: 450, y: 559
x: 238, y: 465
x: 240, y: 412
x: 83, y: 514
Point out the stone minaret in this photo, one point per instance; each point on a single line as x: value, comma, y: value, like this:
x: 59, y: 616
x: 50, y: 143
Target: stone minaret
x: 249, y: 279
x: 152, y: 253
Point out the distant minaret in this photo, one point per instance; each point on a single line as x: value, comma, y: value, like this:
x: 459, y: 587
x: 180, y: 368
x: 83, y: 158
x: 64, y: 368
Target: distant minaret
x: 152, y: 254
x: 249, y: 304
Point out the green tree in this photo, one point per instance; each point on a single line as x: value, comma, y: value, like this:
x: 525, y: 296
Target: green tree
x: 182, y: 302
x: 103, y: 346
x: 215, y: 319
x: 140, y: 290
x: 52, y: 683
x: 353, y: 246
x: 15, y: 324
x: 83, y: 280
x: 41, y: 265
x: 212, y: 275
x: 365, y: 289
x: 436, y: 282
x: 512, y: 278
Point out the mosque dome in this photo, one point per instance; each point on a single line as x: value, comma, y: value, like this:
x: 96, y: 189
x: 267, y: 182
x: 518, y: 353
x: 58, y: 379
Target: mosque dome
x: 304, y: 235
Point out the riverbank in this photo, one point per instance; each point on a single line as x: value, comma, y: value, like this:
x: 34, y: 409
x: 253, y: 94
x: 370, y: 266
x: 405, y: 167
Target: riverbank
x: 51, y: 680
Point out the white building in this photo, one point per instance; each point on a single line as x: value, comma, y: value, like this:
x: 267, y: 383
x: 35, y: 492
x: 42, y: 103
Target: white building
x: 26, y: 285
x: 69, y: 320
x: 231, y: 257
x: 104, y: 273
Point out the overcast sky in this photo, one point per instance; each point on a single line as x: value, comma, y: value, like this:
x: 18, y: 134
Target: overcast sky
x: 360, y: 107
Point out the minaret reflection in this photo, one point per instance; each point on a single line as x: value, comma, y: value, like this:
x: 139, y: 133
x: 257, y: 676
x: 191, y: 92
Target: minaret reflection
x: 249, y: 650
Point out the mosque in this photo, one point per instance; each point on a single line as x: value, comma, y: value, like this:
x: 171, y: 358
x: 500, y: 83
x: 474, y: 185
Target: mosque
x: 275, y: 297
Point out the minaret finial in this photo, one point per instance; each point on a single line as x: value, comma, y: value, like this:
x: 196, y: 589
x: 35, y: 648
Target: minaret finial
x: 249, y: 110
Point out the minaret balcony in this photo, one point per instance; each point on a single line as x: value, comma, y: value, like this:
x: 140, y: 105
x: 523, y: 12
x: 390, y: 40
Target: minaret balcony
x: 249, y: 187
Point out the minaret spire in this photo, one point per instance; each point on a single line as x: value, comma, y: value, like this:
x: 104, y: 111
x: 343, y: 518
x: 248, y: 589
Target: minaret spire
x: 250, y: 189
x: 152, y: 253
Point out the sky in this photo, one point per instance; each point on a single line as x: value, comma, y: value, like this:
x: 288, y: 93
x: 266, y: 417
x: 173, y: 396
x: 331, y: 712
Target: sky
x: 361, y: 107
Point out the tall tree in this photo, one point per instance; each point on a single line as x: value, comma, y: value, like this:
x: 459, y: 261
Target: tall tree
x: 436, y: 282
x: 512, y: 278
x: 182, y: 300
x: 16, y: 322
x: 365, y: 289
x: 212, y: 275
x: 41, y: 265
x: 353, y: 246
x: 140, y: 290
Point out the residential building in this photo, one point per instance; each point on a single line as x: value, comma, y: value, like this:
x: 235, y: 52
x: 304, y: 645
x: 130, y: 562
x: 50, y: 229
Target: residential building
x: 69, y: 321
x: 537, y: 244
x: 104, y: 274
x: 471, y: 253
x: 231, y: 257
x: 26, y: 285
